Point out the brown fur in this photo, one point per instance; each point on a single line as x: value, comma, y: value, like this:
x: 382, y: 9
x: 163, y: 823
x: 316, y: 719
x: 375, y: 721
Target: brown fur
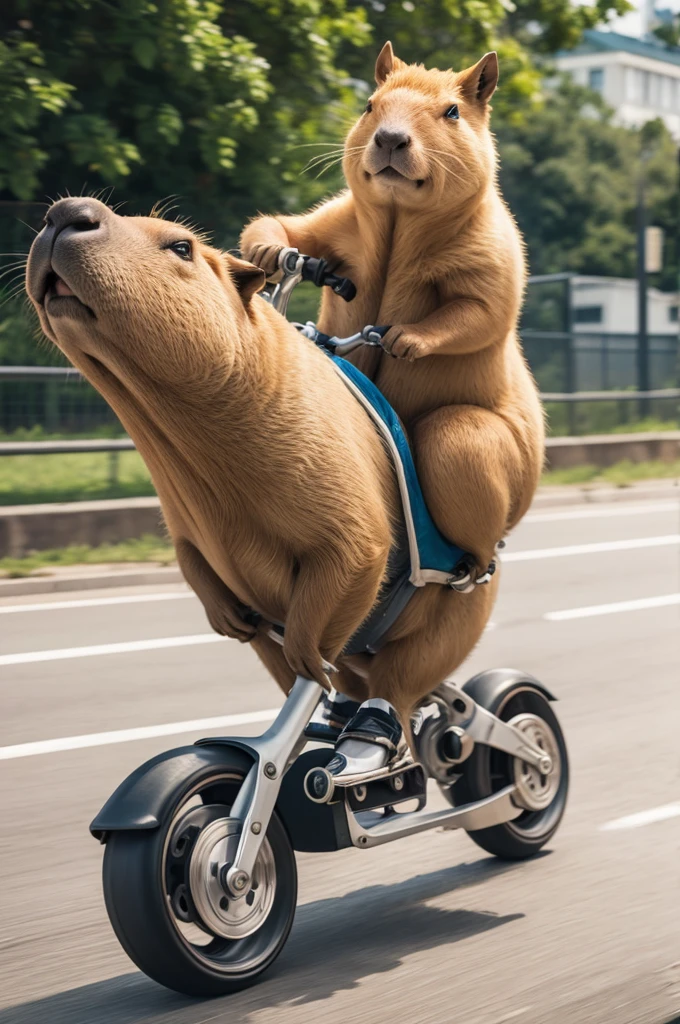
x: 435, y: 253
x: 275, y: 487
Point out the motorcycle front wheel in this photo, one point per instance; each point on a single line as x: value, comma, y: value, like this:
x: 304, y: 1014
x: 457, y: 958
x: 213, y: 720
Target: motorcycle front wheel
x: 166, y: 896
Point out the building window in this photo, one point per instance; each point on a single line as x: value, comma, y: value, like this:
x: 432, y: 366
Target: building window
x: 654, y: 90
x: 666, y: 92
x: 587, y: 315
x: 673, y: 314
x: 633, y: 85
x: 596, y: 79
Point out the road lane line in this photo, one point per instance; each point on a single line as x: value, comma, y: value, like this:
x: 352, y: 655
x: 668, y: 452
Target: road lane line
x: 102, y: 739
x: 95, y: 602
x: 591, y: 549
x: 605, y: 512
x: 642, y: 818
x: 96, y: 650
x: 611, y: 609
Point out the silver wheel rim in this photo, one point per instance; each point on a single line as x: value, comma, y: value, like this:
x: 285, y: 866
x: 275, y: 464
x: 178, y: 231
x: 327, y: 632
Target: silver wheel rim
x: 536, y: 791
x: 225, y: 916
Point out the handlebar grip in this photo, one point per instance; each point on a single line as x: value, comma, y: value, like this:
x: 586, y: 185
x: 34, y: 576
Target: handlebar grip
x: 375, y: 334
x: 342, y: 286
x: 316, y: 271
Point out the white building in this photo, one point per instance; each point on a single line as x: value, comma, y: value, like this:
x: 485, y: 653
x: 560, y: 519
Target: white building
x: 604, y: 317
x: 608, y: 305
x: 639, y: 79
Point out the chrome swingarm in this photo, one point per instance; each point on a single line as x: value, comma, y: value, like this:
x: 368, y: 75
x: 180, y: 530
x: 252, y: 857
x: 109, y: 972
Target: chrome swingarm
x: 373, y: 829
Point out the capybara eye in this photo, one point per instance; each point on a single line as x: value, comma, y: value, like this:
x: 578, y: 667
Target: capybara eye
x: 369, y: 107
x: 453, y: 113
x: 183, y: 249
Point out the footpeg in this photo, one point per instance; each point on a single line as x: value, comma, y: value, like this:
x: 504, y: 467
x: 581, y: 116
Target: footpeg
x: 319, y: 785
x: 393, y: 785
x: 368, y: 748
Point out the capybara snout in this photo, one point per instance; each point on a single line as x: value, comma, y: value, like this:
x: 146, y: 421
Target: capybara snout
x: 140, y: 288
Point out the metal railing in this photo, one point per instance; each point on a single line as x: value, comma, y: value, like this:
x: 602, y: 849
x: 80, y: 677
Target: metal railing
x: 114, y: 446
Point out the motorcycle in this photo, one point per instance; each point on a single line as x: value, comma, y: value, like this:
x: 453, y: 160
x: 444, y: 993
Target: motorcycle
x: 199, y: 874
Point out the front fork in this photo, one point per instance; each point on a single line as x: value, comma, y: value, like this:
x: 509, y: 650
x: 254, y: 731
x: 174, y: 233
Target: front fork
x: 275, y: 751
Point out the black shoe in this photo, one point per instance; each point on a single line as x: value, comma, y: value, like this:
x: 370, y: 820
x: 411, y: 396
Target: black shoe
x: 368, y: 743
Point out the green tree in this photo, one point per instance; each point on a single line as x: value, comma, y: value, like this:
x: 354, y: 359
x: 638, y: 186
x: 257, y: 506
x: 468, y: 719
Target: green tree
x: 170, y: 97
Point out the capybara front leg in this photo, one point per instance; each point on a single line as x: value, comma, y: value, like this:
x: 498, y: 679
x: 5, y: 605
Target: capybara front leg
x: 474, y: 476
x: 331, y: 598
x: 222, y: 607
x: 272, y: 657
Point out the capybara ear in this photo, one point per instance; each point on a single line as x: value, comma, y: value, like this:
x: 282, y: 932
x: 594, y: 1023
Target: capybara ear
x: 248, y: 278
x: 479, y: 82
x: 386, y: 63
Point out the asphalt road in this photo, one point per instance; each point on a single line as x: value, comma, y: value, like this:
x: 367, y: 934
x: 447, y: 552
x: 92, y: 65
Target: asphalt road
x: 428, y: 930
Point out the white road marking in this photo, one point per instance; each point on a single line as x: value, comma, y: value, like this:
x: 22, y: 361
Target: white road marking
x: 643, y: 818
x: 95, y: 602
x: 604, y: 512
x: 63, y: 653
x: 102, y: 739
x: 591, y: 549
x: 611, y: 609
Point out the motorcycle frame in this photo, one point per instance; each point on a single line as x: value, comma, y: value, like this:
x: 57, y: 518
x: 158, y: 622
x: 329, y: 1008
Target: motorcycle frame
x: 277, y: 748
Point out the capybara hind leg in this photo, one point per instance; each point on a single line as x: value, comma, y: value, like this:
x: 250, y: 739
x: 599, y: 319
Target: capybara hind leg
x: 272, y: 657
x: 472, y: 474
x: 442, y: 634
x: 331, y: 598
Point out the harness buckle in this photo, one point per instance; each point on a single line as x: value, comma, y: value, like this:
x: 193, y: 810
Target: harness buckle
x: 465, y: 581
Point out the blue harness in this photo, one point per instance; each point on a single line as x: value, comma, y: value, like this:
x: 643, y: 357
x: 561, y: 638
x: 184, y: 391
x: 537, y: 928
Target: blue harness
x: 423, y: 555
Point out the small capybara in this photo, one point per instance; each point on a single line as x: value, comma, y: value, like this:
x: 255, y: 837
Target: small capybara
x: 425, y: 235
x: 275, y: 486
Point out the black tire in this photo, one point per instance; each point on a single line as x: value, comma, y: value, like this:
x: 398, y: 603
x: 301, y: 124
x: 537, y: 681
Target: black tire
x: 487, y: 771
x: 139, y: 874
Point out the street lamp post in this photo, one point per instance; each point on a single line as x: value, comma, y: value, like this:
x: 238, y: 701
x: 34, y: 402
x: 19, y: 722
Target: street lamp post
x: 643, y: 338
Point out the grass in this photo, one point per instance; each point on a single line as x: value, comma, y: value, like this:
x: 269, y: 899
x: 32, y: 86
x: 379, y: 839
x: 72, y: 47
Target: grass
x: 31, y: 479
x: 622, y: 474
x: 144, y: 549
x: 649, y: 425
x: 160, y: 552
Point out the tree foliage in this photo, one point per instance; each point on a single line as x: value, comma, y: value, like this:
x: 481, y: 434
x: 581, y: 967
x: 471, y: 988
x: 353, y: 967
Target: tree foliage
x: 197, y: 98
x: 570, y: 177
x: 223, y: 103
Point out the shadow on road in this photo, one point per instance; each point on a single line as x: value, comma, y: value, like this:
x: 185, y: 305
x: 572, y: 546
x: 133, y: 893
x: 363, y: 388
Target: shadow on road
x: 334, y: 944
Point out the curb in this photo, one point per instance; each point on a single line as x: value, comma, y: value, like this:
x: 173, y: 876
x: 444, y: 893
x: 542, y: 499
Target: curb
x: 96, y: 581
x: 655, y: 490
x: 546, y: 497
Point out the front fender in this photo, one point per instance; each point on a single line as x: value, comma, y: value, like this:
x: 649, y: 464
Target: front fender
x: 147, y: 796
x: 489, y: 688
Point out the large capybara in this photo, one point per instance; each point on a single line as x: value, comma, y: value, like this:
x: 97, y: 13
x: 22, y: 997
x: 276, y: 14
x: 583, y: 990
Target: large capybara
x: 274, y: 483
x: 425, y: 235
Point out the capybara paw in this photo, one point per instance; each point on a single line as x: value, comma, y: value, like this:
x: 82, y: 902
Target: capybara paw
x: 265, y: 256
x: 228, y: 622
x: 306, y: 662
x: 404, y: 343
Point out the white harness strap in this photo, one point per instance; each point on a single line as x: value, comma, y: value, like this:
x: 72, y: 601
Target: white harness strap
x: 419, y: 577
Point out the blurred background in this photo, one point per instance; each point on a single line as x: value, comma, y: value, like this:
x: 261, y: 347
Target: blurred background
x: 214, y: 110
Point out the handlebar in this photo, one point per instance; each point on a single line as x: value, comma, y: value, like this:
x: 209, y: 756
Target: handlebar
x: 317, y: 272
x: 293, y: 268
x: 370, y: 336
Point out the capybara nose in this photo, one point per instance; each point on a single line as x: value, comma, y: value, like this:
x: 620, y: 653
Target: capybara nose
x: 80, y: 214
x: 391, y: 138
